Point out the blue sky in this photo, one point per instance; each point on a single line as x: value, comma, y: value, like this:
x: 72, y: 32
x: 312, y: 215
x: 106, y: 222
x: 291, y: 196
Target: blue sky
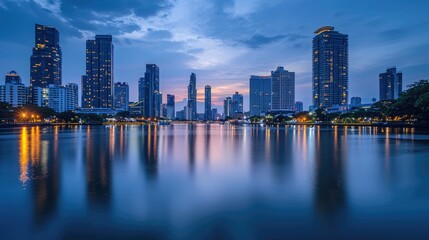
x: 223, y: 41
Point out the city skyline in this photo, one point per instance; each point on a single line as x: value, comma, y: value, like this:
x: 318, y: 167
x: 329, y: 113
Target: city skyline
x: 387, y: 41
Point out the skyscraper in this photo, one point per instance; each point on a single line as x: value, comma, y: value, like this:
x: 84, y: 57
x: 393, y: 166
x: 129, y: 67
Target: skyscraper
x: 208, y: 103
x: 355, y: 101
x: 12, y: 77
x: 260, y: 95
x: 46, y: 59
x: 97, y: 84
x: 283, y: 89
x: 122, y: 96
x: 237, y: 104
x: 299, y: 107
x: 72, y: 92
x: 141, y: 89
x: 330, y: 68
x: 192, y: 97
x: 13, y: 92
x: 171, y: 108
x: 151, y: 91
x: 227, y: 107
x: 390, y: 84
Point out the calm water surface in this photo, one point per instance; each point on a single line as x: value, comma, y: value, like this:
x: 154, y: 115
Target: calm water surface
x: 213, y: 182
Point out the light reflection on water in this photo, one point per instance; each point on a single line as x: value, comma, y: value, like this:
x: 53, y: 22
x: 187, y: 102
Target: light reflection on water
x: 212, y: 181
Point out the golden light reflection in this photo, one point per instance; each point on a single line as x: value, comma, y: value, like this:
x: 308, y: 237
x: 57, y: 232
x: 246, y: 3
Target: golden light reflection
x: 23, y: 155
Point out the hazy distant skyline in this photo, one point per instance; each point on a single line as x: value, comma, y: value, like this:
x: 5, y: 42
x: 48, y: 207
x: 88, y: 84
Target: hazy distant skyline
x: 224, y: 41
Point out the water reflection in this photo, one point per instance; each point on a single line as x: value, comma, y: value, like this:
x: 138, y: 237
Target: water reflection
x: 99, y: 156
x: 330, y: 187
x: 211, y: 180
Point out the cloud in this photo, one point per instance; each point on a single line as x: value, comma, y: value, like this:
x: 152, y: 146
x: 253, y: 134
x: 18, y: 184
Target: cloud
x: 259, y: 40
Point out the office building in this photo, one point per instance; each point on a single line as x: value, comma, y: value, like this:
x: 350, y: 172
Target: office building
x: 97, y: 83
x: 122, y: 96
x: 227, y: 107
x: 208, y: 103
x: 171, y: 107
x: 260, y: 95
x: 355, y: 101
x: 390, y: 84
x: 214, y: 114
x: 330, y: 68
x: 283, y: 89
x: 12, y: 77
x: 237, y: 104
x: 14, y: 94
x: 141, y: 89
x: 72, y: 96
x: 150, y: 93
x: 192, y: 97
x: 46, y: 59
x: 299, y: 107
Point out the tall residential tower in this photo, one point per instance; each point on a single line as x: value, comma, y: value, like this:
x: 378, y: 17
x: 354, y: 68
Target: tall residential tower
x: 330, y: 68
x: 390, y: 84
x: 208, y: 103
x: 97, y: 83
x: 192, y: 97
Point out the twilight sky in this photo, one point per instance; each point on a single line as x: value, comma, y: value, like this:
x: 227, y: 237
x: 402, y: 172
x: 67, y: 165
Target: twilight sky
x: 223, y: 41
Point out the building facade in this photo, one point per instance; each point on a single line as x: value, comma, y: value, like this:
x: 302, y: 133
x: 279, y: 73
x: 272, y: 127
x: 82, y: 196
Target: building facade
x: 72, y: 96
x: 283, y: 89
x: 151, y: 92
x: 237, y: 104
x: 208, y: 103
x: 330, y: 68
x: 227, y: 107
x: 46, y: 59
x: 192, y: 97
x: 299, y: 106
x: 355, y: 101
x: 12, y: 77
x: 260, y: 95
x: 14, y: 94
x: 97, y: 83
x: 122, y: 96
x: 390, y: 84
x: 171, y: 107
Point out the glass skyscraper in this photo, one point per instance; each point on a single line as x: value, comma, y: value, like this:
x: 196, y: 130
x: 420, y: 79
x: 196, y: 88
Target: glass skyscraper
x: 390, y: 84
x: 237, y: 103
x: 260, y: 95
x: 283, y: 89
x: 330, y: 68
x: 46, y: 60
x: 192, y: 97
x: 208, y: 103
x: 97, y: 84
x: 150, y: 91
x: 122, y: 94
x: 171, y: 108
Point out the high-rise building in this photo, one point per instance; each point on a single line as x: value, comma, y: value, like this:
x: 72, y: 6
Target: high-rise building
x: 13, y: 93
x: 158, y: 104
x: 283, y: 89
x: 46, y: 60
x: 260, y: 95
x: 97, y: 84
x: 72, y: 96
x: 122, y: 96
x: 355, y: 101
x: 390, y: 84
x: 151, y: 92
x: 171, y: 109
x: 214, y: 114
x: 208, y: 103
x: 12, y: 77
x: 227, y: 107
x: 330, y: 68
x: 237, y: 104
x: 59, y: 98
x: 192, y: 97
x: 141, y: 89
x: 299, y: 107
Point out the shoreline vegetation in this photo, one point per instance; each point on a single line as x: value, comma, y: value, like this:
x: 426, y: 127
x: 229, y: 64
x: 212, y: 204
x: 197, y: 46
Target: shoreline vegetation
x: 411, y: 109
